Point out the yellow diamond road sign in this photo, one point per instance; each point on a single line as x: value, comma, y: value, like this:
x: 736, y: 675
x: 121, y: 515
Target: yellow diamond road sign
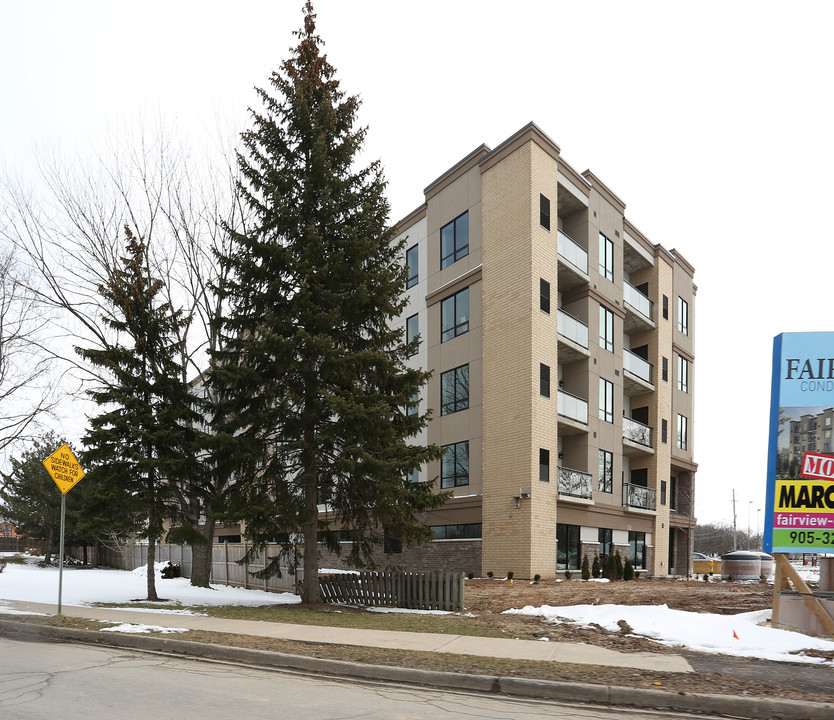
x: 64, y: 468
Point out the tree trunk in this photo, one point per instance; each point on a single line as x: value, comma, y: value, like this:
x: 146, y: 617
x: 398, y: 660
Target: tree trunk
x: 48, y: 550
x: 310, y: 590
x: 201, y: 555
x: 152, y: 538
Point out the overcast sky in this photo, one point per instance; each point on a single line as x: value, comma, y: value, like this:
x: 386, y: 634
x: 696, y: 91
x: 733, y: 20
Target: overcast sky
x: 711, y: 120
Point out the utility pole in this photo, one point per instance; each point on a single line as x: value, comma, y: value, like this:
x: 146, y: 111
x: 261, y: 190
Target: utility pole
x: 749, y: 506
x: 735, y: 544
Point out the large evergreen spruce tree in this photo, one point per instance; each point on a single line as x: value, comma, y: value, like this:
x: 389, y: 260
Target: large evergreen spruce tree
x: 143, y: 441
x: 313, y: 384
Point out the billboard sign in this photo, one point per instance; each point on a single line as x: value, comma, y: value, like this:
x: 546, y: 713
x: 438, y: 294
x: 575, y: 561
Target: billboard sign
x: 799, y: 515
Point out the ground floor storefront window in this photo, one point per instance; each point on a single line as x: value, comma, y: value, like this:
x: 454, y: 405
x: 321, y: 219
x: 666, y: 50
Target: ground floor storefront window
x: 568, y: 549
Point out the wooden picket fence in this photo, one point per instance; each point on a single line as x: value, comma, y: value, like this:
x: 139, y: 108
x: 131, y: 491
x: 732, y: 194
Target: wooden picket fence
x: 415, y: 590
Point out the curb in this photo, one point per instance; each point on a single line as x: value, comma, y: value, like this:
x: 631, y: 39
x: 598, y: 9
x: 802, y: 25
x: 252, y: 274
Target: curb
x: 606, y: 695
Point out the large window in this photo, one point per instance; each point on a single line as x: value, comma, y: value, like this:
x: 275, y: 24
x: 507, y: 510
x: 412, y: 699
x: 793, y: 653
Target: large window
x: 412, y: 257
x: 544, y: 295
x: 454, y: 390
x: 606, y: 400
x: 606, y: 471
x: 412, y: 330
x: 454, y: 315
x: 454, y: 467
x: 544, y: 465
x: 683, y: 431
x: 466, y: 531
x: 637, y: 549
x: 544, y: 212
x: 606, y: 329
x: 414, y: 407
x: 683, y: 316
x: 683, y: 374
x: 568, y: 549
x: 454, y: 240
x: 606, y: 257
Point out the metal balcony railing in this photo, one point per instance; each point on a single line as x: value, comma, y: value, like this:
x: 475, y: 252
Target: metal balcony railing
x: 637, y: 366
x: 572, y: 407
x: 638, y: 496
x: 637, y: 432
x: 576, y: 483
x: 637, y: 300
x: 573, y: 252
x: 573, y: 329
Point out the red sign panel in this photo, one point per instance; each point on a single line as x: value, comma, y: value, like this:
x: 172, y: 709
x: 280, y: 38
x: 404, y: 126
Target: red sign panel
x: 818, y: 466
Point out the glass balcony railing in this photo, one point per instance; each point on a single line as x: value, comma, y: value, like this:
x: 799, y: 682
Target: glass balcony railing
x: 573, y: 252
x: 637, y: 366
x: 637, y: 432
x: 638, y: 496
x: 637, y: 300
x: 573, y: 407
x: 573, y: 329
x: 576, y: 483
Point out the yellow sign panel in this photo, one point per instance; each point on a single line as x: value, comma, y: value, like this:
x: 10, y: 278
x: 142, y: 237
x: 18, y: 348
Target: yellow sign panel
x: 64, y: 468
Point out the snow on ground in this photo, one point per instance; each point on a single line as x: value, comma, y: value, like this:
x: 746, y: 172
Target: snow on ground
x: 131, y: 628
x: 740, y: 635
x: 30, y: 583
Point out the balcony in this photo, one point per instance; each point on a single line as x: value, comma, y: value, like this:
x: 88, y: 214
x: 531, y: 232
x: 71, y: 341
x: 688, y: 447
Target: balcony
x: 637, y: 378
x: 637, y: 438
x: 639, y: 310
x: 637, y: 496
x: 573, y: 338
x: 575, y: 484
x: 573, y: 413
x: 574, y: 271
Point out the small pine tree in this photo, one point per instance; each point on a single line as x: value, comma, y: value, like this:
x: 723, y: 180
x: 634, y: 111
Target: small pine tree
x: 595, y: 569
x: 628, y: 570
x: 586, y: 569
x: 618, y: 565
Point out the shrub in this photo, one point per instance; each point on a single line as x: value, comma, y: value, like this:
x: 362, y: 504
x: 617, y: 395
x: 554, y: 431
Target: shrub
x: 489, y: 574
x: 595, y: 570
x: 706, y: 577
x: 568, y: 574
x: 628, y: 570
x: 618, y: 565
x: 470, y: 575
x: 586, y: 569
x: 510, y: 575
x: 171, y: 570
x: 636, y: 575
x: 609, y: 568
x: 536, y: 577
x: 730, y: 578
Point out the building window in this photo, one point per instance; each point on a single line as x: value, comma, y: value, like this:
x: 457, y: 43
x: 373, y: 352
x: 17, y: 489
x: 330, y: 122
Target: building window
x: 662, y: 492
x: 454, y: 315
x: 454, y: 467
x: 682, y: 432
x: 454, y: 390
x: 414, y: 475
x: 465, y: 531
x: 544, y: 295
x: 665, y: 370
x: 567, y: 547
x: 683, y: 316
x: 412, y: 256
x: 828, y: 422
x: 454, y: 240
x: 414, y: 406
x: 544, y: 380
x: 606, y: 329
x: 412, y: 330
x: 606, y: 400
x: 606, y: 257
x: 673, y: 492
x: 683, y: 374
x: 664, y: 430
x: 637, y: 549
x: 665, y: 308
x: 606, y: 471
x: 544, y: 212
x: 606, y: 542
x: 544, y: 465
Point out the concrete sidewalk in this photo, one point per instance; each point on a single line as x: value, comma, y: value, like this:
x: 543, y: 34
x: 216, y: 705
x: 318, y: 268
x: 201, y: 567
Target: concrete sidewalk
x: 426, y: 642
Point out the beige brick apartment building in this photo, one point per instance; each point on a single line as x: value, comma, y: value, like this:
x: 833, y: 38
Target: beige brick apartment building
x: 561, y: 342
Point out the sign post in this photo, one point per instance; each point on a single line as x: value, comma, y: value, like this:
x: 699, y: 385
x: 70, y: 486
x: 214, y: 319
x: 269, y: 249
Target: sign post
x: 799, y: 515
x: 65, y: 470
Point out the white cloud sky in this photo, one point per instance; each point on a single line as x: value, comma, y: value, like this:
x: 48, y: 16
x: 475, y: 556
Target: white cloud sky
x: 711, y: 120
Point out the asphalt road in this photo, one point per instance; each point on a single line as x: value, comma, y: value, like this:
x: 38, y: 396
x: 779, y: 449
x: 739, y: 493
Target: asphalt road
x: 80, y: 682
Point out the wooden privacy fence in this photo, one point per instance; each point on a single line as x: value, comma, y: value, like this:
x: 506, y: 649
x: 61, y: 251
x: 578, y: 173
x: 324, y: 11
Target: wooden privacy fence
x: 416, y: 590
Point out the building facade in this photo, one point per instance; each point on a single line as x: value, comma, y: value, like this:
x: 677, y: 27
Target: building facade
x: 561, y: 342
